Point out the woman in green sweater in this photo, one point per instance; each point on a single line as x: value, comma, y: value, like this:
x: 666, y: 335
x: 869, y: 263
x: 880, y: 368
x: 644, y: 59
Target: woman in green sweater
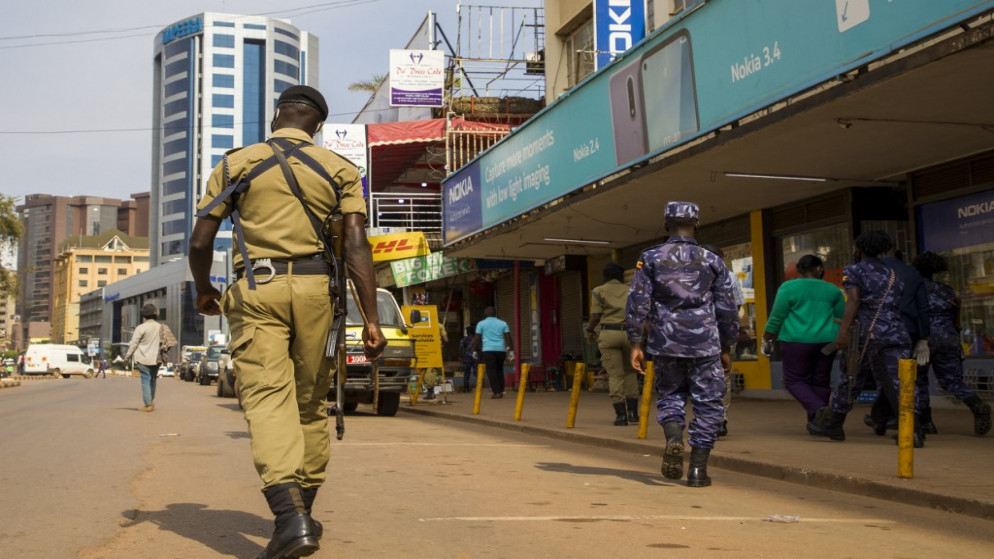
x: 805, y: 317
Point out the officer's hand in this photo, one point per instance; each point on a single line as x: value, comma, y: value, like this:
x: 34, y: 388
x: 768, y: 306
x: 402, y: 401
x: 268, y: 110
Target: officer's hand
x: 922, y: 353
x: 591, y: 336
x: 208, y: 302
x: 638, y: 360
x: 726, y: 362
x: 373, y: 341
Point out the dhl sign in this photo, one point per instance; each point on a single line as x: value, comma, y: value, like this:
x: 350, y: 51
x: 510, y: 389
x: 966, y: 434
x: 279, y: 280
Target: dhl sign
x: 396, y: 246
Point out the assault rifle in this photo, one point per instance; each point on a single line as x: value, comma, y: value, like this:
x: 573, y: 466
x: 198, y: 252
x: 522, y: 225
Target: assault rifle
x: 336, y: 336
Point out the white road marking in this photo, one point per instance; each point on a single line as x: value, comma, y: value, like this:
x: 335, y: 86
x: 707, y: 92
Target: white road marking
x: 444, y: 444
x: 645, y: 517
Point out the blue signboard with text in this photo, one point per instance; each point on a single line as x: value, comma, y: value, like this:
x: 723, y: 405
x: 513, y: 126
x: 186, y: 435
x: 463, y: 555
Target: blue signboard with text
x: 618, y: 25
x: 958, y: 223
x: 717, y: 63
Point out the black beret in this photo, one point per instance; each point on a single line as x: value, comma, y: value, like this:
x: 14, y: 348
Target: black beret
x: 307, y: 95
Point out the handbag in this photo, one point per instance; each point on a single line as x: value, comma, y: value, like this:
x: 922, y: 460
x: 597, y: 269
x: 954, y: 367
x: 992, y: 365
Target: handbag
x: 166, y: 342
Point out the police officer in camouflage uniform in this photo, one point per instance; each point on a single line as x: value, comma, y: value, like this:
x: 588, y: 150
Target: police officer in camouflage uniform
x: 873, y: 295
x: 607, y: 310
x: 280, y: 308
x: 683, y: 293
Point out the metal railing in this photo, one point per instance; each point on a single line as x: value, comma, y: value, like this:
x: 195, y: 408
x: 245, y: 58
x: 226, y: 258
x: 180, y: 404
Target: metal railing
x: 412, y: 211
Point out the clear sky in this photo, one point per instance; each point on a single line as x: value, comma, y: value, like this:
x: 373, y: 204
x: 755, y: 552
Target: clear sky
x: 53, y: 94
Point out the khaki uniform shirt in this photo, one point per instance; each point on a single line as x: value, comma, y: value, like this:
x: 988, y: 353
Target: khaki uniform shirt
x: 609, y: 300
x: 273, y: 220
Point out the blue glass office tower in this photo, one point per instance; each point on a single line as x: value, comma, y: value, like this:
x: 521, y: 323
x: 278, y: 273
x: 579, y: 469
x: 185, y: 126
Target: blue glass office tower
x: 217, y: 78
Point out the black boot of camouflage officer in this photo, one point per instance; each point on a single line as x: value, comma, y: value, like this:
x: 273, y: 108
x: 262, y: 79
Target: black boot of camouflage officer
x: 828, y: 424
x: 697, y: 473
x: 294, y: 535
x: 927, y: 426
x: 673, y: 451
x: 621, y: 415
x: 633, y: 410
x: 981, y: 415
x: 309, y: 494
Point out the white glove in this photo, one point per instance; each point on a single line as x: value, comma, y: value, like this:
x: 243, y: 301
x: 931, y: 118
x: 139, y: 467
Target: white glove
x: 921, y: 352
x: 510, y: 355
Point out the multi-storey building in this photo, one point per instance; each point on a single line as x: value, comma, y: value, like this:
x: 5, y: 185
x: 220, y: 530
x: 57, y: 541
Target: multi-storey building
x: 48, y: 222
x: 87, y: 263
x: 216, y: 81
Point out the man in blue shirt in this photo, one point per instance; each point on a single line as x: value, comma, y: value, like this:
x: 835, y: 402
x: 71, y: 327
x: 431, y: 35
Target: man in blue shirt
x: 493, y: 337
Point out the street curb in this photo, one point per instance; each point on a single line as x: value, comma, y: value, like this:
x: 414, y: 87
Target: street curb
x: 819, y: 479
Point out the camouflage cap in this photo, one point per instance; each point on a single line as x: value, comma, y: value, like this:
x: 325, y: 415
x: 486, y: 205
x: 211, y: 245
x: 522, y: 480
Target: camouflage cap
x: 681, y: 210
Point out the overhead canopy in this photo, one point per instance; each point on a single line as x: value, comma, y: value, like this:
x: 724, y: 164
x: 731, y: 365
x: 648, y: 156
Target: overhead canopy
x: 413, y: 152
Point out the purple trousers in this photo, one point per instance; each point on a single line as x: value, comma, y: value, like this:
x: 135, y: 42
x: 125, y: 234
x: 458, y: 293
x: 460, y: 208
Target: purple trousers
x: 807, y: 374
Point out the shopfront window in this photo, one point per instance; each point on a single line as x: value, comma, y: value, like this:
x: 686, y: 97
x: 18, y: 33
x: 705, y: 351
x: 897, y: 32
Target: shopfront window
x: 738, y: 258
x: 962, y: 230
x: 831, y: 243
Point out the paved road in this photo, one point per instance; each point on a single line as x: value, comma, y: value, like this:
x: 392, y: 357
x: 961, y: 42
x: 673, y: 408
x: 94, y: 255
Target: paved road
x: 84, y: 474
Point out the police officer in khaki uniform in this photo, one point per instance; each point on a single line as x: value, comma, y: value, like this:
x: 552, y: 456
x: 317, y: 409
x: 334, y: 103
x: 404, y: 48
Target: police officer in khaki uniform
x: 280, y: 310
x: 607, y: 310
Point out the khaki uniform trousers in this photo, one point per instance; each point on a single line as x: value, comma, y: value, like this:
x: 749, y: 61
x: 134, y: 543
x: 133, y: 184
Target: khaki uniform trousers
x: 279, y: 333
x: 616, y: 357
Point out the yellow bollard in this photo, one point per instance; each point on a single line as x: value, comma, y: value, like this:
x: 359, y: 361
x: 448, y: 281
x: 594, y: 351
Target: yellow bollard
x: 522, y: 386
x: 417, y: 392
x: 647, y: 390
x: 574, y: 399
x: 907, y: 372
x: 481, y: 370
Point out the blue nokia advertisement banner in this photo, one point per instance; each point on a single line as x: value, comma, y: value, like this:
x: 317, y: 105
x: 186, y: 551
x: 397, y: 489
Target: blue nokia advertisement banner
x: 618, y: 25
x: 958, y: 223
x: 461, y: 204
x: 717, y: 63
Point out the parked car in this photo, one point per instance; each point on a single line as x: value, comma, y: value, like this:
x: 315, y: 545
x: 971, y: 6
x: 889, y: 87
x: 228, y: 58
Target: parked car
x: 166, y: 370
x: 189, y: 366
x: 226, y: 376
x: 209, y: 365
x: 57, y: 359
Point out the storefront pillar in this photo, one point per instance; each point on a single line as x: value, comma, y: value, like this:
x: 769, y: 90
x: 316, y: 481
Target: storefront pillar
x: 756, y: 374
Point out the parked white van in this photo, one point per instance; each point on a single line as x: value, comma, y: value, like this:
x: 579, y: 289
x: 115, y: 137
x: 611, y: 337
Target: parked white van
x: 56, y: 359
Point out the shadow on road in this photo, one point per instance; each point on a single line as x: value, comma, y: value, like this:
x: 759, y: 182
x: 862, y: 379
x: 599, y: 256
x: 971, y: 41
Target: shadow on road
x: 630, y: 475
x: 221, y: 530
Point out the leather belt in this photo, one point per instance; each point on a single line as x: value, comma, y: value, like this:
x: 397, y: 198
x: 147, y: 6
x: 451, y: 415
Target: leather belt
x: 269, y: 268
x: 612, y: 326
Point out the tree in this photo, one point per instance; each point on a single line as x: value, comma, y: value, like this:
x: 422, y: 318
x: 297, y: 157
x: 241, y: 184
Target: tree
x: 370, y: 85
x: 10, y: 232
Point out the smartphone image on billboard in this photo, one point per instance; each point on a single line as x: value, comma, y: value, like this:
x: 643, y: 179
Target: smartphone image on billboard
x: 669, y: 92
x: 627, y: 116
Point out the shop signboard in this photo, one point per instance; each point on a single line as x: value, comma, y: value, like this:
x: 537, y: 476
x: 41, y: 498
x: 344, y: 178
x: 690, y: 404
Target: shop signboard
x: 427, y: 336
x: 398, y: 246
x: 417, y: 78
x: 349, y: 141
x: 957, y: 223
x: 422, y: 269
x: 618, y: 25
x: 701, y: 71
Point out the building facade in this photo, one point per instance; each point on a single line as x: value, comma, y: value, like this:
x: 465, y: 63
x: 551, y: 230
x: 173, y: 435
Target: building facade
x: 216, y: 81
x: 50, y: 220
x: 87, y: 263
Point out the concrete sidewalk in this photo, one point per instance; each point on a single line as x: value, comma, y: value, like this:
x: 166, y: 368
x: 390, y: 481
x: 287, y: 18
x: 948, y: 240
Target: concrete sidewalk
x: 768, y: 438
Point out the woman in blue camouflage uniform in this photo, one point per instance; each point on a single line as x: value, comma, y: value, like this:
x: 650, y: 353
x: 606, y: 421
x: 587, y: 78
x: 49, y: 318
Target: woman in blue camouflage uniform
x: 873, y: 294
x: 944, y: 345
x: 683, y: 293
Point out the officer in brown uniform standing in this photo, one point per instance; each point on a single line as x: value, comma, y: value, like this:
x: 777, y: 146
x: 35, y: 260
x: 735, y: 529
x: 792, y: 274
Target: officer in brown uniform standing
x: 280, y: 309
x: 607, y: 310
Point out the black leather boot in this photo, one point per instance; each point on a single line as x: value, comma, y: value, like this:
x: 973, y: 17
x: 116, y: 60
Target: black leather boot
x: 621, y: 415
x: 830, y: 426
x: 697, y: 474
x: 927, y: 426
x: 309, y: 494
x: 673, y: 451
x: 633, y: 409
x: 723, y: 428
x: 981, y: 415
x: 294, y: 535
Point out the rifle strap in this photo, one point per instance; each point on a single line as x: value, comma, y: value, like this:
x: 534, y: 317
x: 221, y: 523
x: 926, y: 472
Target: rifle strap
x: 869, y: 332
x: 316, y: 223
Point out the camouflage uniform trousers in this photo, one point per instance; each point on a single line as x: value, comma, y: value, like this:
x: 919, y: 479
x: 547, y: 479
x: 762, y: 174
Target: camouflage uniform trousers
x: 616, y: 357
x: 703, y: 381
x: 880, y: 360
x: 946, y: 361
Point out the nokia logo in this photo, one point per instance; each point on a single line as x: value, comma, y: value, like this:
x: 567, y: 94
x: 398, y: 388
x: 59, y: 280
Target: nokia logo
x: 460, y: 189
x: 620, y: 37
x: 974, y: 210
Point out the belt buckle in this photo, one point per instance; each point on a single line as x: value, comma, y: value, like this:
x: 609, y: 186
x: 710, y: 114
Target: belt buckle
x: 264, y: 263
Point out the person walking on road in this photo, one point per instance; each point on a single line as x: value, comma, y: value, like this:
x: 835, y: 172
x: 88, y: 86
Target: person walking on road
x: 945, y: 350
x: 470, y: 358
x: 148, y: 342
x: 684, y: 293
x: 102, y: 367
x: 280, y: 307
x: 493, y: 340
x: 805, y: 318
x: 873, y: 295
x: 607, y: 311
